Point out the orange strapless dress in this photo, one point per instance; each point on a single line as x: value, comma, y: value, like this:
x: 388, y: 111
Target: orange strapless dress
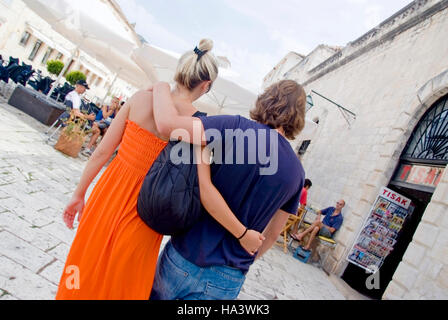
x: 114, y: 251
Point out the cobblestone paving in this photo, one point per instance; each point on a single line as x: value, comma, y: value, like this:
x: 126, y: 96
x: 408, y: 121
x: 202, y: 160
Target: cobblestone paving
x: 36, y: 182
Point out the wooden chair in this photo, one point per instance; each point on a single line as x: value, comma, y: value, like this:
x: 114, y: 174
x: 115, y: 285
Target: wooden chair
x: 292, y: 220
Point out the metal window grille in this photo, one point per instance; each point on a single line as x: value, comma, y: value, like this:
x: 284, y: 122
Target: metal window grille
x: 429, y: 141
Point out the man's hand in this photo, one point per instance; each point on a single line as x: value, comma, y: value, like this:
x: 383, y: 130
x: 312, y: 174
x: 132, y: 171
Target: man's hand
x: 79, y: 114
x: 252, y: 241
x: 332, y: 230
x: 272, y: 231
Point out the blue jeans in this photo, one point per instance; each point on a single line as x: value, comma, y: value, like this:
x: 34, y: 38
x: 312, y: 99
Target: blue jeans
x: 178, y: 279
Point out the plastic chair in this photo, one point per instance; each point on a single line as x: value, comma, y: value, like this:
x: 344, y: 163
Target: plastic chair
x: 329, y: 243
x: 13, y: 61
x: 89, y: 108
x: 60, y: 93
x: 39, y: 83
x: 4, y: 74
x: 60, y: 122
x: 20, y: 74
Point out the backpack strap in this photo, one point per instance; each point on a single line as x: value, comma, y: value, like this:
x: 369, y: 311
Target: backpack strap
x: 199, y: 114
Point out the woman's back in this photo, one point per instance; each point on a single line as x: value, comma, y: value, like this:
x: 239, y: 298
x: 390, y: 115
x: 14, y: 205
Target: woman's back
x: 141, y: 112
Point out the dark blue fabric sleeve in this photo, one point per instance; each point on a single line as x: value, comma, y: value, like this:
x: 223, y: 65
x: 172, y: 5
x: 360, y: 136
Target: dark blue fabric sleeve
x: 214, y: 124
x: 327, y: 211
x: 292, y: 206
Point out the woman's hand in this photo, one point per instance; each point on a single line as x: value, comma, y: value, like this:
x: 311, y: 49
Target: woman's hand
x: 252, y: 241
x: 75, y: 206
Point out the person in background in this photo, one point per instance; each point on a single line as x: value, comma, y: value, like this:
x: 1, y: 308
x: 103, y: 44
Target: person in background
x: 304, y: 196
x: 75, y: 98
x: 327, y: 228
x: 102, y: 122
x: 303, y: 202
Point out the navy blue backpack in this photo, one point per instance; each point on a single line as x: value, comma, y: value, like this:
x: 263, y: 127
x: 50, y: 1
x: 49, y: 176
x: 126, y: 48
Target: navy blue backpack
x: 169, y: 199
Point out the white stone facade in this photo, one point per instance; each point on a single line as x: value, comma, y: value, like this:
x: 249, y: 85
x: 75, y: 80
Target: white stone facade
x: 16, y: 19
x: 389, y: 78
x: 289, y: 62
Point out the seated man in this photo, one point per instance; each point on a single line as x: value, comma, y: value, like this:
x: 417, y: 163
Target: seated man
x: 102, y: 122
x: 74, y: 97
x: 331, y: 223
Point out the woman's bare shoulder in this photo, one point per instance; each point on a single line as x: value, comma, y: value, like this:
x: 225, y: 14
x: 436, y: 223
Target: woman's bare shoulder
x: 140, y: 110
x: 141, y: 101
x: 142, y: 96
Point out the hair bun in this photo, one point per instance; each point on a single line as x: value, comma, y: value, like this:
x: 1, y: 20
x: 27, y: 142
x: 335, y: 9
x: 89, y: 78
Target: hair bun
x: 195, y: 66
x: 205, y: 45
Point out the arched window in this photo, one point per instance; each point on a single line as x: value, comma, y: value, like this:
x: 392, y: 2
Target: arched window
x: 426, y: 155
x: 429, y: 141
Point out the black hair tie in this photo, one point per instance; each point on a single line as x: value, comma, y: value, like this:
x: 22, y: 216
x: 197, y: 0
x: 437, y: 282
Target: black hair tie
x: 199, y: 52
x: 247, y: 229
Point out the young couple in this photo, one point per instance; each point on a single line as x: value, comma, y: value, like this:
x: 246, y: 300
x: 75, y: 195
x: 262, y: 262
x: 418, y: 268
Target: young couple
x: 114, y: 254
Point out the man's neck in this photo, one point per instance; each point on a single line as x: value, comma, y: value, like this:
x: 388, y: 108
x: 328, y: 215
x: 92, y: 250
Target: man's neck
x: 281, y: 131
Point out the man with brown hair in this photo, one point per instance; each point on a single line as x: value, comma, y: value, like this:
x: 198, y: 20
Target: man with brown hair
x: 257, y: 173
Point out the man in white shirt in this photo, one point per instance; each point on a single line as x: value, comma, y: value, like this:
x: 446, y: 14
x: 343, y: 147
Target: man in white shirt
x: 75, y: 97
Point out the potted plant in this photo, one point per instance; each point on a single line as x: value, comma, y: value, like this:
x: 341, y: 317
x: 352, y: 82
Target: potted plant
x: 73, y: 136
x: 75, y: 76
x: 55, y: 67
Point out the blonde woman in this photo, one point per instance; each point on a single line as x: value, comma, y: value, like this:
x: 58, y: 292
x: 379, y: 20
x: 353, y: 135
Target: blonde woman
x: 114, y: 253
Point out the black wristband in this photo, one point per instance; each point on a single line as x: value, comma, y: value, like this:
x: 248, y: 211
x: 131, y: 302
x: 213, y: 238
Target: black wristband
x: 247, y: 229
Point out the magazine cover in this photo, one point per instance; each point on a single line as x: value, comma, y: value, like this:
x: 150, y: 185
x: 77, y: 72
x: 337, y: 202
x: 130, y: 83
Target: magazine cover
x: 379, y: 234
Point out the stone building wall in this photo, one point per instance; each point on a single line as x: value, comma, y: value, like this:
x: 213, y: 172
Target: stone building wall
x: 278, y: 72
x: 388, y: 78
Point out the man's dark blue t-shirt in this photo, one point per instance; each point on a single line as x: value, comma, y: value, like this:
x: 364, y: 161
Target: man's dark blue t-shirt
x: 329, y: 220
x: 257, y: 172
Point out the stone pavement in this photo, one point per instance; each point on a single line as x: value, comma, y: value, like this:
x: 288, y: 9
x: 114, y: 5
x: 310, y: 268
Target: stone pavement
x: 36, y: 181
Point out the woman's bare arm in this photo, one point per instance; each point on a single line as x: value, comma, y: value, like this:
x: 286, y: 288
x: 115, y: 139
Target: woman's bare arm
x: 217, y: 207
x: 168, y: 120
x: 106, y: 148
x: 102, y: 154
